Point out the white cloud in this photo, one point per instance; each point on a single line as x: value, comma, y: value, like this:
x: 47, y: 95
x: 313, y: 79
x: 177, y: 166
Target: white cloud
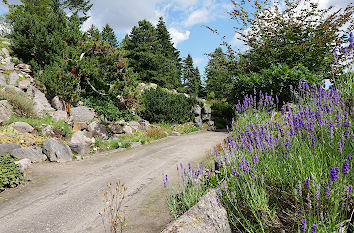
x: 197, y: 16
x: 198, y: 60
x: 178, y: 36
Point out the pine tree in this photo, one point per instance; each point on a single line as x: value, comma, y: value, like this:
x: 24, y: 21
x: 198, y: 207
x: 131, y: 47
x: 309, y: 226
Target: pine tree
x: 218, y: 77
x: 191, y: 76
x: 109, y: 36
x: 93, y: 32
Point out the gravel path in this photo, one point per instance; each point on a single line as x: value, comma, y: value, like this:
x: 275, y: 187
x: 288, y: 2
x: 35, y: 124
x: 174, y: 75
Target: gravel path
x: 68, y: 197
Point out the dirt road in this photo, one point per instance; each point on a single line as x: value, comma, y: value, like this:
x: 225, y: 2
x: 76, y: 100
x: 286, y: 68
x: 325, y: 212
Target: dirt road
x: 68, y: 197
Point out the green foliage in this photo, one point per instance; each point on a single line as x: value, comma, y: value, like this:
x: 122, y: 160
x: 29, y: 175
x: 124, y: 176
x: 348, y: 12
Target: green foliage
x: 298, y: 31
x: 21, y: 102
x: 162, y: 106
x: 109, y: 36
x: 10, y: 174
x: 222, y: 113
x: 218, y: 76
x: 107, y: 107
x: 191, y: 77
x: 277, y: 80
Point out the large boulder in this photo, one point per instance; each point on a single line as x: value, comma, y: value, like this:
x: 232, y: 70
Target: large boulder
x: 80, y: 137
x: 59, y: 115
x: 197, y: 110
x: 51, y: 131
x: 58, y: 104
x: 8, y: 147
x: 2, y: 79
x: 5, y: 110
x: 134, y: 125
x: 82, y: 114
x: 98, y: 130
x: 116, y: 127
x: 13, y: 77
x: 22, y: 127
x: 198, y: 122
x: 41, y: 104
x: 79, y: 148
x: 34, y: 154
x: 57, y: 151
x: 206, y: 216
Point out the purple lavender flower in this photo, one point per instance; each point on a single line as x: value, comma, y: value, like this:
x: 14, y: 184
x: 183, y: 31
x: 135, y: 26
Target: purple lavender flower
x: 313, y: 228
x: 303, y: 225
x: 339, y: 149
x: 349, y: 157
x: 299, y: 189
x: 333, y: 175
x: 308, y: 183
x: 345, y: 168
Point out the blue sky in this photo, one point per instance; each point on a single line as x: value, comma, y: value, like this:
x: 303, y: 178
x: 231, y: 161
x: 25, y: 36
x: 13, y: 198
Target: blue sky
x: 184, y: 20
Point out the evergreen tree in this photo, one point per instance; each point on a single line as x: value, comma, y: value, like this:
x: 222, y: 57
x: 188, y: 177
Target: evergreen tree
x: 218, y: 77
x: 191, y: 76
x: 109, y: 36
x: 93, y: 32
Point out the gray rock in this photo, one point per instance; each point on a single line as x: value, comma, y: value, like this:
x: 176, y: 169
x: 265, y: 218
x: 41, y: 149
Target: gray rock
x: 59, y: 115
x: 23, y: 164
x: 144, y: 124
x: 134, y: 125
x: 50, y: 131
x: 13, y: 77
x: 79, y: 148
x: 34, y: 154
x: 205, y: 216
x: 198, y: 122
x: 5, y: 110
x: 2, y: 79
x: 98, y: 130
x: 5, y: 52
x: 30, y: 141
x: 135, y: 144
x: 206, y: 117
x: 24, y: 84
x: 24, y: 67
x: 206, y: 110
x: 7, y: 67
x: 57, y: 151
x: 82, y: 114
x: 58, y: 104
x: 116, y: 127
x: 211, y: 123
x: 8, y: 147
x: 22, y: 127
x: 197, y: 110
x: 175, y: 134
x: 79, y: 137
x: 41, y: 104
x: 127, y: 129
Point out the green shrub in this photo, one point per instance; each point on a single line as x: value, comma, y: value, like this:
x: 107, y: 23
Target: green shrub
x: 21, y: 102
x: 277, y: 80
x: 107, y: 107
x: 162, y: 106
x: 222, y: 113
x: 10, y: 174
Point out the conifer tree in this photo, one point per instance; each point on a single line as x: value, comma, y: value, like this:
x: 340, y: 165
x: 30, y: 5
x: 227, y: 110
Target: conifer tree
x: 218, y: 77
x: 109, y: 36
x: 93, y: 32
x: 191, y: 76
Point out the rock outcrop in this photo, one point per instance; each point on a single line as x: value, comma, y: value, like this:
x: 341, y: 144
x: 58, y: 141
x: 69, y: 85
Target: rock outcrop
x: 8, y: 147
x: 22, y: 127
x: 57, y: 151
x: 82, y: 114
x: 34, y: 154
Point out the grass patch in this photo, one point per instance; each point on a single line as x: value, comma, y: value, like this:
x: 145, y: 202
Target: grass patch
x: 180, y: 128
x: 21, y: 102
x: 10, y: 135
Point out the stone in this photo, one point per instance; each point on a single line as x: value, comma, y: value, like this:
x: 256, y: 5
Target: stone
x: 77, y: 126
x: 2, y: 79
x: 175, y: 133
x: 82, y: 114
x: 5, y: 110
x: 206, y: 110
x: 50, y: 131
x: 57, y: 151
x: 8, y: 147
x: 98, y: 130
x: 134, y: 125
x: 79, y: 137
x: 127, y: 129
x: 144, y: 124
x: 206, y: 117
x: 58, y: 104
x: 5, y: 52
x: 59, y: 115
x: 135, y: 144
x: 24, y: 84
x: 41, y: 104
x: 30, y: 141
x: 22, y: 127
x: 13, y: 77
x: 211, y: 123
x: 197, y: 110
x: 23, y: 164
x: 24, y: 67
x: 205, y: 216
x: 7, y: 67
x: 34, y: 154
x: 79, y: 148
x: 116, y: 128
x: 198, y: 122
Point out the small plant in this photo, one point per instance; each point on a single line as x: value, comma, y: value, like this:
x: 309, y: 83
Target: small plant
x: 113, y: 218
x: 22, y: 103
x: 155, y: 133
x: 10, y: 174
